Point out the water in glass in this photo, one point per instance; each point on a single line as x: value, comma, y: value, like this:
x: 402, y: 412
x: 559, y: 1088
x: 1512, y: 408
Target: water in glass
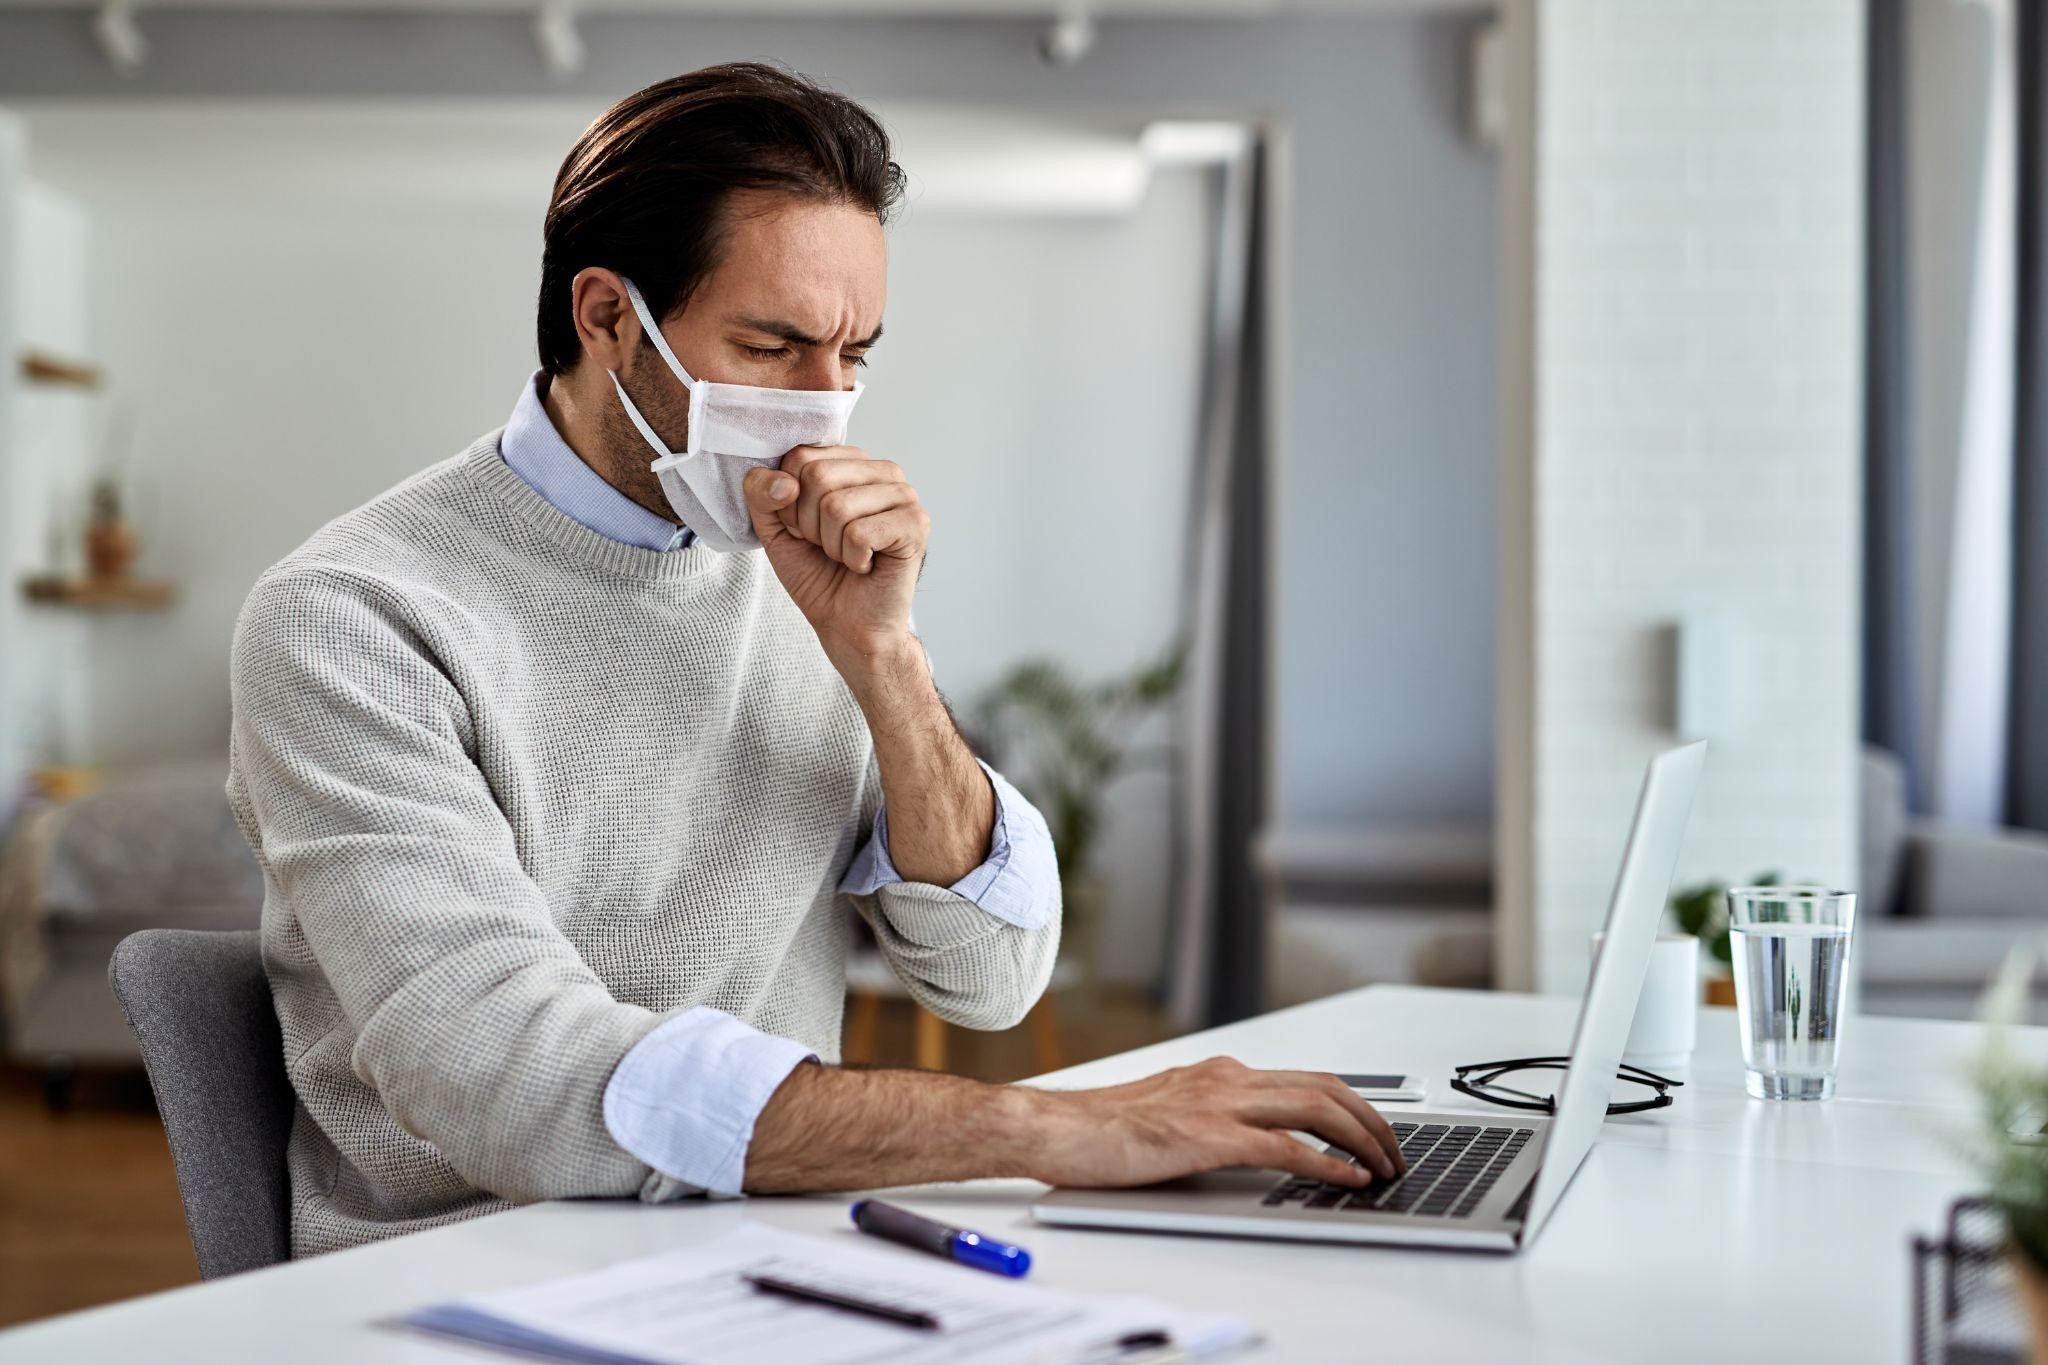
x: 1791, y: 951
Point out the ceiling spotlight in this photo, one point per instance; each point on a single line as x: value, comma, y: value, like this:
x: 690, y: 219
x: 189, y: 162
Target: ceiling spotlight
x: 120, y: 40
x: 1068, y: 38
x: 554, y: 33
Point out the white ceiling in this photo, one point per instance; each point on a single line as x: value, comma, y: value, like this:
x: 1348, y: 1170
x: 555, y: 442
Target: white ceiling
x: 142, y: 156
x: 762, y: 8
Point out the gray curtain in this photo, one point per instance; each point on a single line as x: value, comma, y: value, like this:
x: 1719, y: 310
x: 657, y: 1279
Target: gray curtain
x: 2027, y: 796
x: 1890, y: 708
x: 1237, y: 955
x: 1889, y: 713
x: 1224, y: 767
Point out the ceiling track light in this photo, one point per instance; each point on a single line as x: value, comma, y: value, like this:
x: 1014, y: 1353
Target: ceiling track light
x: 121, y: 42
x: 555, y: 34
x: 1068, y: 38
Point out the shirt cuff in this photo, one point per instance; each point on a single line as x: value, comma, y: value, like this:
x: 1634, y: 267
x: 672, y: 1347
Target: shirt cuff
x: 1015, y: 883
x: 685, y: 1097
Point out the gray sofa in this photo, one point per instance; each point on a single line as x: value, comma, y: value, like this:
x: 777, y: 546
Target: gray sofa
x: 153, y: 848
x: 1941, y: 905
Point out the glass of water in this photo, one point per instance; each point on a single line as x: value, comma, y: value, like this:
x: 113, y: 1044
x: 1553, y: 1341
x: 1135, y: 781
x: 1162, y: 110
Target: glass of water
x: 1791, y: 948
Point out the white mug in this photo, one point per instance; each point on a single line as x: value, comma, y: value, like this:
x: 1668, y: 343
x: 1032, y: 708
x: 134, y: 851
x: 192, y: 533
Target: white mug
x: 1667, y: 1012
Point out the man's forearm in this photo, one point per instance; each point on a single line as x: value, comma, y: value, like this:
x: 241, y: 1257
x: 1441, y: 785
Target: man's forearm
x: 829, y: 1129
x: 941, y: 807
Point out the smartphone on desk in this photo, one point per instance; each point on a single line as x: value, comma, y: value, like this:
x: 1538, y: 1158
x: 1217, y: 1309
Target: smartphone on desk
x: 1386, y: 1085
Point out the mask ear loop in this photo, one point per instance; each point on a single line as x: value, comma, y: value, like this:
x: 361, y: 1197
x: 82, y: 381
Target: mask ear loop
x: 647, y: 432
x: 669, y: 458
x: 654, y: 335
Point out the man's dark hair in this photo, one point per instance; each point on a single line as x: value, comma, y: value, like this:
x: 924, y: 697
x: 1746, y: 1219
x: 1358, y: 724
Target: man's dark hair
x: 643, y: 191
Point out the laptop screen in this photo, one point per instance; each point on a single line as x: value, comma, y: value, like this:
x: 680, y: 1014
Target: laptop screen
x: 1609, y: 1010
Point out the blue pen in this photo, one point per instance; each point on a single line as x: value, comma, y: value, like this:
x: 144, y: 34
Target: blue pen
x: 902, y: 1226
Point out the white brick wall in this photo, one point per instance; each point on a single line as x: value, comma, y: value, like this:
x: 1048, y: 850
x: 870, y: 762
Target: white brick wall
x: 1683, y: 416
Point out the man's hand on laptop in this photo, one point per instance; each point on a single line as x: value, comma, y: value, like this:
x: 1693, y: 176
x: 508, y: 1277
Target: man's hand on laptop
x: 828, y: 1128
x: 1208, y: 1116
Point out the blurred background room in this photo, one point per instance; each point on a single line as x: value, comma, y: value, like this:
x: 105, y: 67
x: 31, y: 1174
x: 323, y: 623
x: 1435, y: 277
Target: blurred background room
x: 1404, y: 417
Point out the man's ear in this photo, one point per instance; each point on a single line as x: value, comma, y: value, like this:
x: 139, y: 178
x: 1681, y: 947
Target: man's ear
x: 605, y: 321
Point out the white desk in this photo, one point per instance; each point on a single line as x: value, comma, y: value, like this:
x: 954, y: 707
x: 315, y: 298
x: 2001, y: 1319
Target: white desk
x: 1722, y: 1229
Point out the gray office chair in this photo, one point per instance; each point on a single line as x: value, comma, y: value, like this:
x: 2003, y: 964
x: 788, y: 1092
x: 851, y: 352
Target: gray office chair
x: 200, y: 1008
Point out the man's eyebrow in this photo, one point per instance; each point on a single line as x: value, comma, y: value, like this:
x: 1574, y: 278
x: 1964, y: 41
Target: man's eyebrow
x: 790, y: 332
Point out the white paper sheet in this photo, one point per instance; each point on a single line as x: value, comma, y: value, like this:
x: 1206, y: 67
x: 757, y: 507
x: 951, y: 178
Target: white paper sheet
x: 692, y: 1307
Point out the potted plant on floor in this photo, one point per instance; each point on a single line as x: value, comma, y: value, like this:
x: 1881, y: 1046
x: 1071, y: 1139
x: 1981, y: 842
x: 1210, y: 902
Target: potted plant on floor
x: 2010, y: 1148
x: 1063, y: 742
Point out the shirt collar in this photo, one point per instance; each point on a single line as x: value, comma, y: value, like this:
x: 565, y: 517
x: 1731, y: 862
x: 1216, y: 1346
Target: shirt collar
x: 538, y: 454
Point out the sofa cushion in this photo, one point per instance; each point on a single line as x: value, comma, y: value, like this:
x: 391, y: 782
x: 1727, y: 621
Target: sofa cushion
x: 155, y: 847
x: 1897, y: 950
x: 1973, y: 873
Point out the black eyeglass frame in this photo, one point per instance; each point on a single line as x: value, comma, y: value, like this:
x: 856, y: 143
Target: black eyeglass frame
x: 1477, y: 1086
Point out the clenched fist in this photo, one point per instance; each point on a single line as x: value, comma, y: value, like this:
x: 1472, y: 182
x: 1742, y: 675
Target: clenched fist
x: 846, y: 535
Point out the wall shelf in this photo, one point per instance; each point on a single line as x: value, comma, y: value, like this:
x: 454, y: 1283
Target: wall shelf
x: 98, y: 594
x: 41, y: 367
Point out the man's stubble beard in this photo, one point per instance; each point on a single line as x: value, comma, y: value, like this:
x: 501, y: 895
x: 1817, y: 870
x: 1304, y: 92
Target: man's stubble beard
x: 626, y: 454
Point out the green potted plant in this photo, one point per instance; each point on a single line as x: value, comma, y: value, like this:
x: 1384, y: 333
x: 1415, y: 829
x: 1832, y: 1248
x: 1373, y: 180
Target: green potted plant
x: 2010, y: 1148
x: 1063, y: 741
x: 1702, y: 911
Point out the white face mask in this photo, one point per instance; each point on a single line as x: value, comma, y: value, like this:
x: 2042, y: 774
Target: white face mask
x: 733, y: 428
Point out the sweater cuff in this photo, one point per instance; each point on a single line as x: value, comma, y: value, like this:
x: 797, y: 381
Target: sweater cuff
x: 1018, y: 882
x: 685, y: 1098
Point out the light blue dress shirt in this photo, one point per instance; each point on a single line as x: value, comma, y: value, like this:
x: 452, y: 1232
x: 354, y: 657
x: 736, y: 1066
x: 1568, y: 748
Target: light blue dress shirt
x: 685, y: 1098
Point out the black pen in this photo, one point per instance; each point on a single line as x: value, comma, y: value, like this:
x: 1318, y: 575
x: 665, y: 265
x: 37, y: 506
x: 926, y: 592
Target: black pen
x: 1131, y: 1347
x: 792, y: 1289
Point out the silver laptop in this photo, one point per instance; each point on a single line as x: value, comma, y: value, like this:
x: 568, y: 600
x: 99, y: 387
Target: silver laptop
x: 1480, y: 1181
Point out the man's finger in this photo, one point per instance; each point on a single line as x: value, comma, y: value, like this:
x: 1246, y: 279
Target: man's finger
x: 796, y: 459
x: 768, y: 492
x: 818, y: 474
x: 1374, y: 1122
x: 896, y: 534
x: 1314, y: 1111
x: 841, y: 507
x: 1279, y: 1152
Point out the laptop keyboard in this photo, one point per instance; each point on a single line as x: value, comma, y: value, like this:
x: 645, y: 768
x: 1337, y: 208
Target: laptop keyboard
x: 1450, y: 1169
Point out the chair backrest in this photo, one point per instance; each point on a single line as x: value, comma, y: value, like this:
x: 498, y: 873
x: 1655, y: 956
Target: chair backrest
x: 200, y: 1007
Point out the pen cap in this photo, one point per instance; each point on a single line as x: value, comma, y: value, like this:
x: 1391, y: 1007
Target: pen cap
x: 969, y: 1248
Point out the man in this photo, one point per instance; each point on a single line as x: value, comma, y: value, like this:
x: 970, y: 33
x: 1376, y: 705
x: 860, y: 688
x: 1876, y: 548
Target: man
x: 564, y: 757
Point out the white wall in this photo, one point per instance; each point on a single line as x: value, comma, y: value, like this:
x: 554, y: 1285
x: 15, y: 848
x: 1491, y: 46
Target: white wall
x: 1039, y: 374
x: 14, y: 739
x: 1387, y: 491
x: 1385, y: 501
x: 1039, y: 378
x: 51, y: 445
x: 284, y: 367
x: 1682, y: 405
x: 293, y: 350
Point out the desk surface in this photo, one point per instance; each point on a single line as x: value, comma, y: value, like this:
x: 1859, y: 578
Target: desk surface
x: 1713, y: 1230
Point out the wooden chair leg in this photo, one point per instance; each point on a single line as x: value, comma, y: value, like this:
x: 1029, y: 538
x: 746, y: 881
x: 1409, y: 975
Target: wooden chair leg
x: 1044, y: 1020
x: 863, y: 1021
x: 931, y: 1041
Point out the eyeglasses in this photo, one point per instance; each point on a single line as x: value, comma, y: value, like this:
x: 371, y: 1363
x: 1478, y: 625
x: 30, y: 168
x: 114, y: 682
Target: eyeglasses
x: 1486, y: 1085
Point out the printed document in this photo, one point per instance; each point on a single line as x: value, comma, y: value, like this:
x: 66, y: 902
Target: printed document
x: 693, y: 1306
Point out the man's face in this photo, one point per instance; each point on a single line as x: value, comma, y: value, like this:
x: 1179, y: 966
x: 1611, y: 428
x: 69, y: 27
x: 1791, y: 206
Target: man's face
x: 795, y: 303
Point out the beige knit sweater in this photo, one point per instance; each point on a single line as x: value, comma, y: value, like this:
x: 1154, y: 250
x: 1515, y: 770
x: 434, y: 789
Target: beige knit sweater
x: 520, y: 793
